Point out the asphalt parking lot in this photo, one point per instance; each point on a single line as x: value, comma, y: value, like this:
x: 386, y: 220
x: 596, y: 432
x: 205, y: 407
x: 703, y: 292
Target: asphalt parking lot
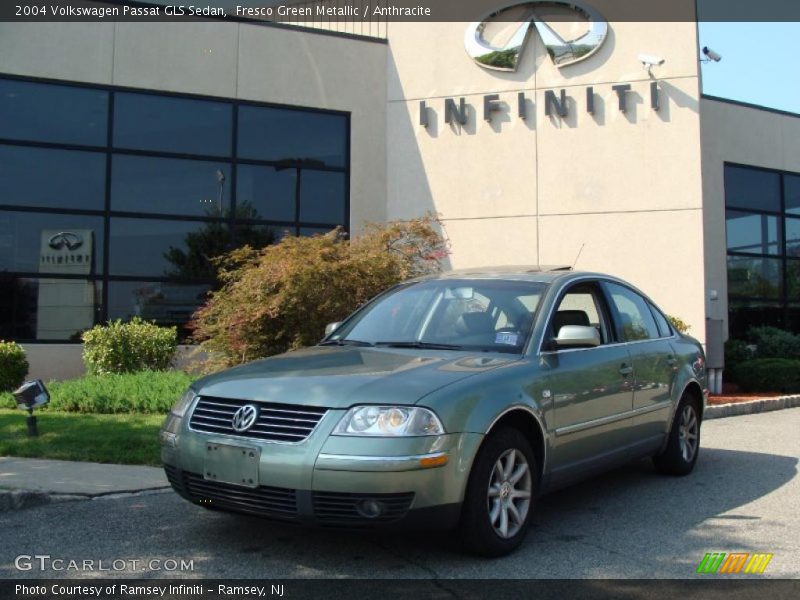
x: 743, y: 497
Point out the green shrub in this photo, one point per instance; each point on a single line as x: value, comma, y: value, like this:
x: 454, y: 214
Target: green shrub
x: 13, y: 366
x: 141, y: 392
x: 679, y: 324
x: 768, y: 375
x: 136, y: 345
x: 282, y: 296
x: 736, y: 352
x: 772, y: 342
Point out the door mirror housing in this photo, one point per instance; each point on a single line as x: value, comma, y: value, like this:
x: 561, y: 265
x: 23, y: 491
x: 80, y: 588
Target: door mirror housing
x: 331, y: 327
x: 577, y: 336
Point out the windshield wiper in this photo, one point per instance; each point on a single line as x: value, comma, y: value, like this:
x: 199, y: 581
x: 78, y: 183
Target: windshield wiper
x: 428, y: 345
x: 344, y: 342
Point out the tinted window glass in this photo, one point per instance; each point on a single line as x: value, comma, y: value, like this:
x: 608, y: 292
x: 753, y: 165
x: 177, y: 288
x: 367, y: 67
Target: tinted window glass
x: 170, y: 186
x: 166, y: 303
x: 322, y: 197
x: 55, y: 178
x: 752, y: 188
x: 266, y: 192
x: 276, y: 134
x: 746, y: 314
x: 47, y: 309
x: 792, y: 237
x: 791, y: 188
x: 168, y: 124
x: 793, y: 279
x: 53, y: 113
x: 754, y: 277
x: 258, y: 236
x: 664, y: 329
x: 635, y: 319
x: 315, y: 230
x: 50, y: 243
x: 755, y: 234
x: 158, y: 248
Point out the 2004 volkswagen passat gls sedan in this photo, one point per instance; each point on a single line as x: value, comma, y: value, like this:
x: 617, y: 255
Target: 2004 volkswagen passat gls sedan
x: 448, y: 401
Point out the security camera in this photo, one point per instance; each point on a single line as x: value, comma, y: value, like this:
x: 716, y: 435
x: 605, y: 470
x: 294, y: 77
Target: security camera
x: 649, y: 61
x: 711, y: 54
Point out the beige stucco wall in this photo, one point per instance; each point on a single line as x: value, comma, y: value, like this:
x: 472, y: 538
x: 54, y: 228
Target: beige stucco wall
x: 625, y: 187
x: 231, y: 60
x: 748, y: 136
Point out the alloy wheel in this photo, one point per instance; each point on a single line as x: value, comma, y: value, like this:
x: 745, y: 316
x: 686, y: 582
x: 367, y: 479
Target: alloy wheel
x: 509, y: 495
x: 688, y: 433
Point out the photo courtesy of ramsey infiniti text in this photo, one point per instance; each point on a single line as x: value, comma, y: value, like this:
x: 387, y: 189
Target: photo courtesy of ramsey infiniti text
x: 450, y: 401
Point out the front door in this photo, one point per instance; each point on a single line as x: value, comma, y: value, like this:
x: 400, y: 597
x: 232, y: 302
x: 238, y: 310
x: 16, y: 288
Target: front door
x: 591, y: 388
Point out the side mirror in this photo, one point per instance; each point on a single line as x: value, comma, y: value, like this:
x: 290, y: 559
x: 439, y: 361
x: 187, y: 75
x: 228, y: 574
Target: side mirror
x: 331, y: 327
x: 576, y: 336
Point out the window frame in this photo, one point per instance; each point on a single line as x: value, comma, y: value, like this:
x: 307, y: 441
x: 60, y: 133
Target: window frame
x: 108, y: 149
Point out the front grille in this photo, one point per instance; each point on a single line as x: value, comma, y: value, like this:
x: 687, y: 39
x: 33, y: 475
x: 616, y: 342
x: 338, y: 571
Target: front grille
x: 263, y: 500
x: 275, y: 422
x: 341, y: 507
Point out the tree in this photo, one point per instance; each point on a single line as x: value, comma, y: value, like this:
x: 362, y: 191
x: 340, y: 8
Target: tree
x: 281, y: 297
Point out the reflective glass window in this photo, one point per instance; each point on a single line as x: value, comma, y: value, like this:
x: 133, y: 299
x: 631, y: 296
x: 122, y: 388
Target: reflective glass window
x: 166, y: 248
x: 170, y: 186
x: 292, y: 136
x: 170, y: 124
x: 45, y: 112
x: 51, y: 243
x: 752, y: 188
x: 635, y: 319
x: 753, y: 233
x: 754, y: 277
x: 322, y: 197
x: 49, y: 309
x: 264, y: 192
x: 52, y: 178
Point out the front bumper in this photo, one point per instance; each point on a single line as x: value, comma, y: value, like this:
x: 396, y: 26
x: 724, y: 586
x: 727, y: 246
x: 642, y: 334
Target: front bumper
x: 329, y: 480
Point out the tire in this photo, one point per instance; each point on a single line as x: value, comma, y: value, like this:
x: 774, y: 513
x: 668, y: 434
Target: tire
x: 683, y: 444
x: 491, y: 494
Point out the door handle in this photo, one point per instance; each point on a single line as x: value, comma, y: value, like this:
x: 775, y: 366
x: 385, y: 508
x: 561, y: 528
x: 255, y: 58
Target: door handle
x: 625, y: 369
x: 672, y: 361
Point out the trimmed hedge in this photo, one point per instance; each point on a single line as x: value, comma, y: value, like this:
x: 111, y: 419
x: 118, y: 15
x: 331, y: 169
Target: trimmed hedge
x: 148, y: 392
x: 120, y: 347
x: 13, y: 366
x: 768, y: 375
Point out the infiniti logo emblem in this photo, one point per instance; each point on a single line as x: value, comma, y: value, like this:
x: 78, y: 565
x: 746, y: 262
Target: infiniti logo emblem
x: 562, y: 52
x: 65, y: 239
x: 244, y: 418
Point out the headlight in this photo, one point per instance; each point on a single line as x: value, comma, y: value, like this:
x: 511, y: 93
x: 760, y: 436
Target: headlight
x: 389, y: 421
x: 183, y: 404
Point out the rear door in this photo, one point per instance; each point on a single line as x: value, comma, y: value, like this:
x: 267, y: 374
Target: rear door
x: 647, y: 334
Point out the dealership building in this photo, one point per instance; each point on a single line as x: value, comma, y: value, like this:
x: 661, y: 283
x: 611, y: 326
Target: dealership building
x: 132, y: 152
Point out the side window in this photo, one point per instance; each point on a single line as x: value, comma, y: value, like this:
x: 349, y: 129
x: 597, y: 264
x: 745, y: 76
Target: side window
x: 580, y: 306
x: 634, y: 319
x: 664, y: 330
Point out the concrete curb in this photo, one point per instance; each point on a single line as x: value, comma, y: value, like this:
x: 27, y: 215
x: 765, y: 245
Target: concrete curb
x: 750, y: 408
x: 21, y: 499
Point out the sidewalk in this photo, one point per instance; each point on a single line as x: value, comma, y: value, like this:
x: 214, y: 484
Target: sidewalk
x: 26, y: 482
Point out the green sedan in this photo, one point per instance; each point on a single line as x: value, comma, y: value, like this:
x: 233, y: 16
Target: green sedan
x: 451, y: 401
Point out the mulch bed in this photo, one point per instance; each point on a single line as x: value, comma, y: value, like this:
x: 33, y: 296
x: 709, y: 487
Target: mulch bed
x: 731, y: 395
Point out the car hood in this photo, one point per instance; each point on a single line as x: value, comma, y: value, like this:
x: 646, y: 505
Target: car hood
x: 339, y: 377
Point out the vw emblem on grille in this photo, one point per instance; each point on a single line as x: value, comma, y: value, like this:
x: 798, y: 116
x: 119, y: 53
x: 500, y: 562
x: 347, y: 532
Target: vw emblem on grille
x: 244, y: 418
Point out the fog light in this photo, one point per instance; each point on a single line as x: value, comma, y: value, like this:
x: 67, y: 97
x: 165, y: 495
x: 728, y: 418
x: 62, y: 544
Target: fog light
x: 369, y: 508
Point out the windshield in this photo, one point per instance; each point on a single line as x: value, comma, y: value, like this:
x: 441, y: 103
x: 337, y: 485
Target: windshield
x: 468, y: 314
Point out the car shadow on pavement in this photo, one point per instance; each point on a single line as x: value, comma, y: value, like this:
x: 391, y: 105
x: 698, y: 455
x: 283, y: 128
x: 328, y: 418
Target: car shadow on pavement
x: 633, y: 499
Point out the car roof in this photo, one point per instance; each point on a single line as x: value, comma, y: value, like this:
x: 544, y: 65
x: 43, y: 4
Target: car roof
x: 540, y: 273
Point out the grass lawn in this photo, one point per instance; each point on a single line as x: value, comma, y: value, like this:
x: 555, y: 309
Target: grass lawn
x: 120, y: 438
